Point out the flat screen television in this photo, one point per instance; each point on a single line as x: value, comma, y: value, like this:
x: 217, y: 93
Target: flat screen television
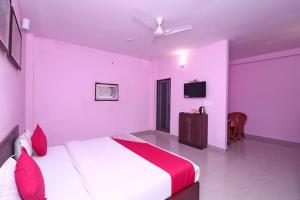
x: 195, y: 89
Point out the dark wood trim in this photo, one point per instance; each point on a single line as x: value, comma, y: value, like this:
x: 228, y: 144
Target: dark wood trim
x: 106, y: 84
x: 10, y: 56
x: 157, y: 128
x: 3, y: 47
x: 190, y: 193
x: 7, y: 145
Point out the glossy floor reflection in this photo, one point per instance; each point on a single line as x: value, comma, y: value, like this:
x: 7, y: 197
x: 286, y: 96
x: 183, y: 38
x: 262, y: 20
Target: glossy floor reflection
x: 248, y: 170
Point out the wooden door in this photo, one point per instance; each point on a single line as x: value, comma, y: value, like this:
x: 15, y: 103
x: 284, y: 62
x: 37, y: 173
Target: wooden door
x: 163, y: 105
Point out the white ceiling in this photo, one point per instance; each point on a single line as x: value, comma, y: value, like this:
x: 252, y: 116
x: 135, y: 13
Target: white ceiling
x: 253, y: 26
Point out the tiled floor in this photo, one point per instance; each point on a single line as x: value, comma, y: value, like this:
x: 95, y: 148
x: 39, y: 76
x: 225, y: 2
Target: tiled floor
x: 249, y: 170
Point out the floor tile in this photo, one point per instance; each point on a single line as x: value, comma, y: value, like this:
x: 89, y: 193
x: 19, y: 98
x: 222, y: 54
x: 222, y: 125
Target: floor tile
x: 248, y: 170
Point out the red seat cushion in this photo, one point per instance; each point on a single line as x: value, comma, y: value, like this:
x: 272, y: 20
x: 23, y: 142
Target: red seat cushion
x: 29, y: 178
x: 39, y: 141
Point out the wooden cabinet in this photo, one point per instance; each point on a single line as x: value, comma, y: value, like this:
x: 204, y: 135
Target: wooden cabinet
x: 193, y: 129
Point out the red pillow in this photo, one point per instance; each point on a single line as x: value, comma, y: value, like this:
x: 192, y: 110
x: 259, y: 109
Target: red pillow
x: 29, y: 178
x: 39, y: 141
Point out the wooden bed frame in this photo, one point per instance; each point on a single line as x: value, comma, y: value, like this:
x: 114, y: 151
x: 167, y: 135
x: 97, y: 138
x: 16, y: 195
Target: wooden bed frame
x: 7, y: 150
x: 7, y: 145
x: 189, y: 193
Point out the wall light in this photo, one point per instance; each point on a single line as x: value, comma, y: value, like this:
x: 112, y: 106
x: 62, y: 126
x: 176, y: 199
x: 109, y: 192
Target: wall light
x: 182, y: 61
x: 182, y: 54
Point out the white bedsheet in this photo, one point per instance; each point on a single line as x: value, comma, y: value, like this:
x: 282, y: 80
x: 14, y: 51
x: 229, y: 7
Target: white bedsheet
x: 111, y: 171
x: 62, y: 182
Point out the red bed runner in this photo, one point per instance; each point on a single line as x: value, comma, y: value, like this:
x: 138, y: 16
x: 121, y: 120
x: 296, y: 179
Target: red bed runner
x: 182, y: 172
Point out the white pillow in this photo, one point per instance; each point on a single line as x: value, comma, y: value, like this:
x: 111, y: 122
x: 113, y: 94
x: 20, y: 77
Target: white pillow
x: 22, y: 141
x: 8, y: 187
x: 28, y: 135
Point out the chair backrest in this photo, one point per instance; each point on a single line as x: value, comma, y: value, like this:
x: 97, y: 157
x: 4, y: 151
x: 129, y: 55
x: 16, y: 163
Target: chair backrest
x: 238, y: 119
x: 233, y: 118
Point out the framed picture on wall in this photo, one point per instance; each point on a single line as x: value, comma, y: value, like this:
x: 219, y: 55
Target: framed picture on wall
x: 4, y: 24
x: 106, y: 92
x: 15, y: 41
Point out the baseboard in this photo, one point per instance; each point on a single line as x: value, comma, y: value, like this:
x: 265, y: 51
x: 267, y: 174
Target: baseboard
x: 217, y: 149
x: 272, y: 140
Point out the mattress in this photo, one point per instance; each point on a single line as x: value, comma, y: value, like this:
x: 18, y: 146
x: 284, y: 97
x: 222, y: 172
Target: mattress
x: 61, y: 178
x: 111, y: 171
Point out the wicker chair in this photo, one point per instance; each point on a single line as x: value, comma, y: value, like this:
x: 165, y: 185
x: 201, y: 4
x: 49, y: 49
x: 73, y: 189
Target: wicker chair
x: 236, y: 123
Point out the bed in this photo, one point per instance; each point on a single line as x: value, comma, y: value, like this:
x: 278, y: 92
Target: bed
x: 60, y: 176
x: 102, y: 169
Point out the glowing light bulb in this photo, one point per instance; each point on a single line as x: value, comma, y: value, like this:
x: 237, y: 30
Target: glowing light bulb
x: 182, y: 61
x: 182, y: 54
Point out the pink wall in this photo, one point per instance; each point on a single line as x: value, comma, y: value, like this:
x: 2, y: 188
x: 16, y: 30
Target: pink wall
x: 206, y: 64
x: 11, y: 93
x: 60, y: 91
x: 268, y: 91
x: 28, y: 40
x: 11, y: 97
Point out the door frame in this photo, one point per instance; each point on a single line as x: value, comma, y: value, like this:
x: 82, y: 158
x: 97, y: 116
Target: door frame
x: 157, y: 128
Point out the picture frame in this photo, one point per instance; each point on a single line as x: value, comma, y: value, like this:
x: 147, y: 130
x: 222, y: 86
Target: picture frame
x: 5, y: 9
x: 106, y: 92
x: 15, y: 41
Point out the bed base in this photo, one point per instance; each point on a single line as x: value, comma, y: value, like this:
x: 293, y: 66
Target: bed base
x: 7, y: 150
x: 190, y: 193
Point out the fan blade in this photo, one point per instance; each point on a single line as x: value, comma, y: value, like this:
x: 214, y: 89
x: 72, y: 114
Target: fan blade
x: 142, y: 24
x: 177, y: 30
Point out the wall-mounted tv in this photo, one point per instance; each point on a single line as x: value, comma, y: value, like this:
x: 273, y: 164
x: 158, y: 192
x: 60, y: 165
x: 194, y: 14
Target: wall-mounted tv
x: 195, y: 89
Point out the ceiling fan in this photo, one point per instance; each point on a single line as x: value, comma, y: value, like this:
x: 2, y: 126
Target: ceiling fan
x: 160, y: 31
